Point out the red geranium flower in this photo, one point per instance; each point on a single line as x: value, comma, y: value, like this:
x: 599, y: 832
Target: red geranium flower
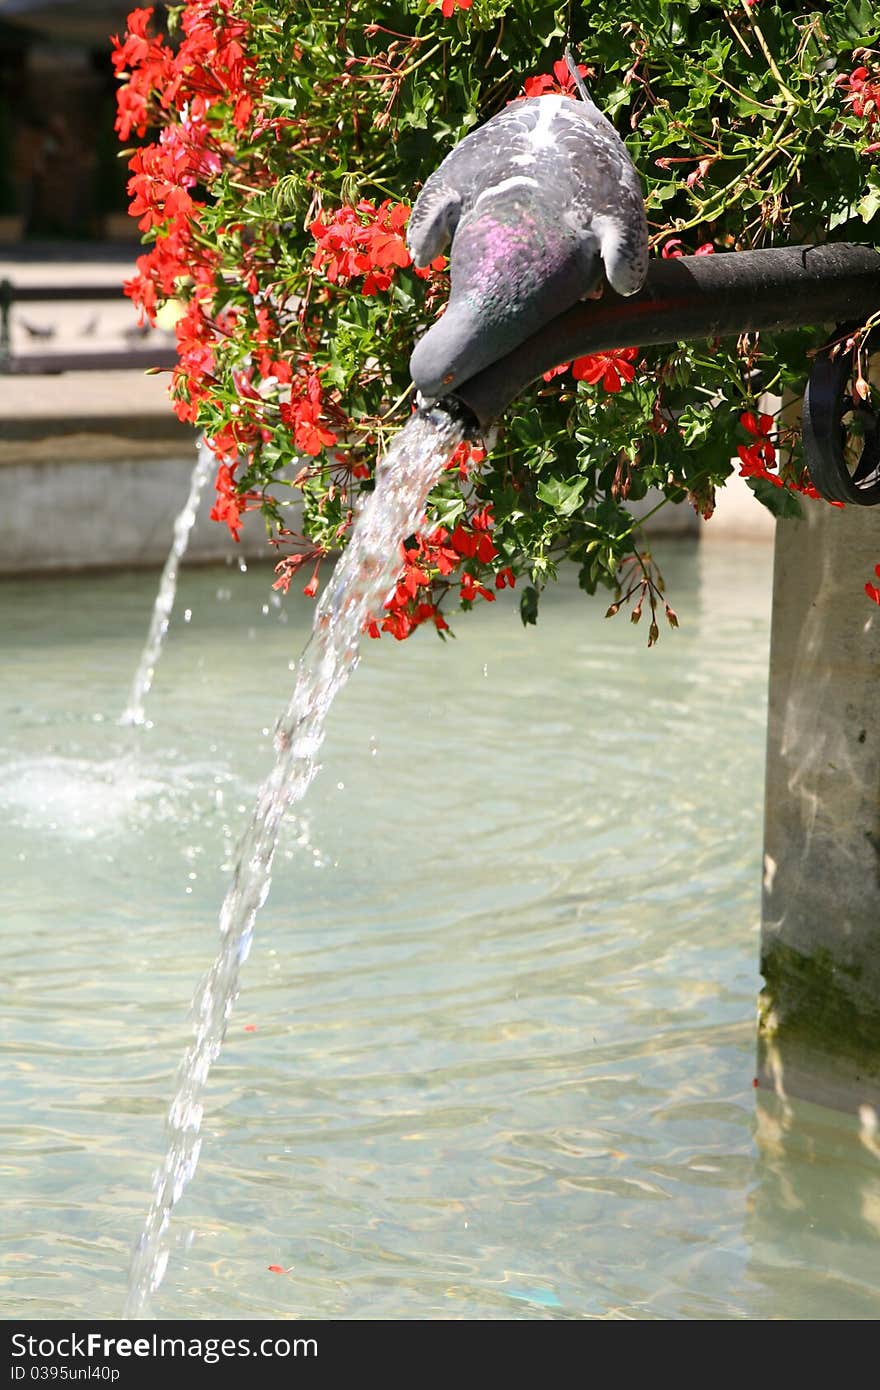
x: 757, y: 459
x: 862, y: 93
x: 560, y: 82
x: 673, y: 249
x: 230, y: 503
x: 611, y: 368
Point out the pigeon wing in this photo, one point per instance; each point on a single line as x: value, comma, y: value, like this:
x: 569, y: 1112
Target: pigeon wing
x: 607, y: 200
x: 485, y: 156
x: 434, y: 218
x: 569, y: 156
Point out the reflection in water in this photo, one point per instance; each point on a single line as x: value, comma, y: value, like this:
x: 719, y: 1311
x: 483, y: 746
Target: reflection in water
x: 815, y: 1206
x: 494, y: 1053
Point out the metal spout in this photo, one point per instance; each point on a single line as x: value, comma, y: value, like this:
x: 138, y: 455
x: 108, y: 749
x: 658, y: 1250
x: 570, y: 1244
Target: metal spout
x: 691, y: 297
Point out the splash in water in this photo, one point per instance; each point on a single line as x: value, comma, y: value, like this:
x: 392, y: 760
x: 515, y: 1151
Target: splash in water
x: 162, y: 609
x: 356, y: 591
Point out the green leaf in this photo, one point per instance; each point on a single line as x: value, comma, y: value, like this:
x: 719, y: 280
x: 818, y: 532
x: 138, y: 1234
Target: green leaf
x: 447, y: 510
x: 528, y: 605
x: 777, y: 500
x: 868, y: 206
x: 695, y: 423
x: 562, y: 494
x: 841, y: 214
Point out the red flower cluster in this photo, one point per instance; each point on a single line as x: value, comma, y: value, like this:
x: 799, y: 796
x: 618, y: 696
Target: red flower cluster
x: 302, y: 414
x: 466, y: 457
x: 428, y: 562
x: 193, y: 374
x: 409, y: 604
x: 147, y: 62
x: 187, y: 91
x: 673, y: 249
x: 862, y: 89
x: 475, y: 543
x: 757, y: 459
x: 365, y: 240
x: 162, y: 176
x: 561, y: 81
x: 448, y: 7
x: 612, y: 368
x: 230, y: 503
x: 211, y: 64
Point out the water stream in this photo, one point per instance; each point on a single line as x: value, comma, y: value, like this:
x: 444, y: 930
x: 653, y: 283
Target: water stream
x: 354, y: 593
x: 164, y: 605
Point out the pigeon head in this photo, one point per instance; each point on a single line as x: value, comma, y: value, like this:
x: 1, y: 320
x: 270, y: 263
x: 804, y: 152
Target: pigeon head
x: 513, y: 267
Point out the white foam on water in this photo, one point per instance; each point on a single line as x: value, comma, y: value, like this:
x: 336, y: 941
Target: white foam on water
x: 82, y: 798
x: 77, y: 798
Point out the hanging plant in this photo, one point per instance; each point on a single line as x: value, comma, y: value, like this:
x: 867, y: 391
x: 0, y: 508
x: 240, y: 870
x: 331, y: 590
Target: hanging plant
x: 288, y: 143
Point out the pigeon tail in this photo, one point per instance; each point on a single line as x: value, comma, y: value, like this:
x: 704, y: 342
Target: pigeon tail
x: 577, y: 79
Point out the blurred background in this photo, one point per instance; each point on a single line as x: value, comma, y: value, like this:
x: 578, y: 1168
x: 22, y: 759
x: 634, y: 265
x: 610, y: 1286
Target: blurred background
x: 60, y: 174
x: 84, y: 411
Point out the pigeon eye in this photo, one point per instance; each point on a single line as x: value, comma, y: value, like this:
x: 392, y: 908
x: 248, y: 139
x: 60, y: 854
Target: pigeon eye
x: 450, y: 376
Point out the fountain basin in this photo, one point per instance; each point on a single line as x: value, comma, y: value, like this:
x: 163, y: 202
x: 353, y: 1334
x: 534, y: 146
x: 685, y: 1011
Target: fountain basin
x: 494, y: 1050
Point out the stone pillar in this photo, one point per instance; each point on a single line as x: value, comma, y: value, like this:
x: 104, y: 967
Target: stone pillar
x: 820, y: 946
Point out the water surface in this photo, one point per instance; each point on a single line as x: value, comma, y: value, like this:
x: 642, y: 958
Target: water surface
x: 493, y: 1054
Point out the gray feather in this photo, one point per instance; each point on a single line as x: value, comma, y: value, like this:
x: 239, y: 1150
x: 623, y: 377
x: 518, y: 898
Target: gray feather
x: 535, y: 202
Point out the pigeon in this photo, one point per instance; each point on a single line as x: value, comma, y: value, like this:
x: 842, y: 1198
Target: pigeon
x: 538, y: 203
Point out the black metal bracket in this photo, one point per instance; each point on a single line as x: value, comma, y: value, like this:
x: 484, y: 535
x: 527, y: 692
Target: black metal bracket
x: 700, y: 297
x: 827, y: 399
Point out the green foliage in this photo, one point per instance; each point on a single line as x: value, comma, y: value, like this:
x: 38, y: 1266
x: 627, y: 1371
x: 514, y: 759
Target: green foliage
x: 737, y: 118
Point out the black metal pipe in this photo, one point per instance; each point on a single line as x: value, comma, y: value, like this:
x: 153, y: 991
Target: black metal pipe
x: 691, y: 297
